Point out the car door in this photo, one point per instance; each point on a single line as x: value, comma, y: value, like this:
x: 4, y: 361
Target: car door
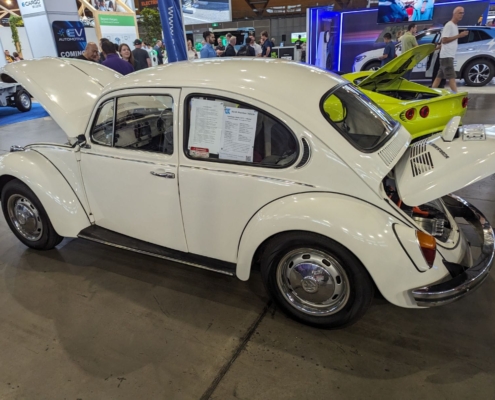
x: 129, y: 166
x: 468, y: 47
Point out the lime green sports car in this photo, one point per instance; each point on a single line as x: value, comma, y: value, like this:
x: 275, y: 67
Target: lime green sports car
x: 421, y: 110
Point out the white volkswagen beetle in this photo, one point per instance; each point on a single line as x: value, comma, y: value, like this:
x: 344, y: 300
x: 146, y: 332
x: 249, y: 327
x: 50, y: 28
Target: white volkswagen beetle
x: 276, y: 164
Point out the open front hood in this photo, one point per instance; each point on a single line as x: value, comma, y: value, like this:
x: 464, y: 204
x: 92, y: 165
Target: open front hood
x: 433, y: 167
x: 68, y: 89
x: 397, y: 67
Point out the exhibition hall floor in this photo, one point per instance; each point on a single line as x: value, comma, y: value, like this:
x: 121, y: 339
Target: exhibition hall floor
x: 85, y: 321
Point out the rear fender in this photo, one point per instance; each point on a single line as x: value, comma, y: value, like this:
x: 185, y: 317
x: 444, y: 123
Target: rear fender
x: 63, y: 207
x: 364, y: 229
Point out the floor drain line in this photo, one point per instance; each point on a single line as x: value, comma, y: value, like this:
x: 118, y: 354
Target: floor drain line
x: 244, y: 340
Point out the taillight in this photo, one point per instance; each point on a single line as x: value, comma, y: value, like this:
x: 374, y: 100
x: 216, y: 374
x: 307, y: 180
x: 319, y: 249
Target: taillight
x: 428, y: 246
x: 410, y: 113
x: 465, y: 102
x: 424, y: 112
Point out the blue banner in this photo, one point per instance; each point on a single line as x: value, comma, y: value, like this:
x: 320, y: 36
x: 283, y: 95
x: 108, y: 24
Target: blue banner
x: 173, y: 29
x: 70, y: 38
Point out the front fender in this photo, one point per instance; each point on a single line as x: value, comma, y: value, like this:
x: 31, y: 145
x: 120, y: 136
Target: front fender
x: 364, y: 229
x: 63, y: 207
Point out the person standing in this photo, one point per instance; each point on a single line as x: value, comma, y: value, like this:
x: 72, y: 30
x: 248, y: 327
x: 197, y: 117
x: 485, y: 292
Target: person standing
x: 8, y: 57
x: 113, y: 61
x: 158, y: 49
x: 449, y: 41
x: 247, y: 50
x: 298, y: 42
x: 230, y: 49
x: 409, y: 41
x: 207, y: 51
x: 192, y: 54
x: 90, y: 53
x: 257, y: 48
x: 266, y: 46
x: 141, y: 56
x: 389, y: 50
x: 126, y: 54
x: 16, y: 56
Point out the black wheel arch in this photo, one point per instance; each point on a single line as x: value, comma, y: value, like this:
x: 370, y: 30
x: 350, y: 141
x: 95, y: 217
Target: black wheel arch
x: 4, y: 179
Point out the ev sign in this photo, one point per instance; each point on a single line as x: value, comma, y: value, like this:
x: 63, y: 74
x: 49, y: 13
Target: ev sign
x: 70, y: 38
x: 31, y: 6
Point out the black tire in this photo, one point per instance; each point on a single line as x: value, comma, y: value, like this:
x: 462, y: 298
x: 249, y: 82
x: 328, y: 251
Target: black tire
x: 23, y: 101
x: 478, y: 72
x: 42, y: 236
x: 372, y: 66
x: 359, y: 283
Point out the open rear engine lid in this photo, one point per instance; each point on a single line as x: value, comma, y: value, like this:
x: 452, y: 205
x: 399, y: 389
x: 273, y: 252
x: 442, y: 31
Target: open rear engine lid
x: 434, y: 167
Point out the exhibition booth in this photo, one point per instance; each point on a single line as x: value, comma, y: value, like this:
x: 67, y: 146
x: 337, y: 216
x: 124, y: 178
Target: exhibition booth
x: 335, y: 38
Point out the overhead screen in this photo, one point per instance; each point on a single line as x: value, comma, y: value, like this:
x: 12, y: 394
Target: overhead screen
x: 397, y: 11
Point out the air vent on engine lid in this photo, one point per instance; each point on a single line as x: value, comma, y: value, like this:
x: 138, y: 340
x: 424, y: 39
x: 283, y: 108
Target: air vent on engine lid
x: 421, y: 163
x: 306, y: 154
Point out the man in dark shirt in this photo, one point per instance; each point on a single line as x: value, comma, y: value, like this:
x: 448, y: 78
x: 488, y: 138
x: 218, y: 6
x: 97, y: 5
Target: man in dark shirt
x: 113, y: 61
x: 298, y: 42
x: 230, y: 49
x: 247, y: 50
x: 159, y: 54
x: 389, y: 50
x: 141, y: 57
x: 90, y: 53
x: 267, y: 45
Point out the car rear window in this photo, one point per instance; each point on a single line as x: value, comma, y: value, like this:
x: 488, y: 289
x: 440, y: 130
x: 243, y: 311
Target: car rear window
x: 363, y: 123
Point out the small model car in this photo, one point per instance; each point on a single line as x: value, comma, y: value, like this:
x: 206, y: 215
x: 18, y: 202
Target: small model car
x: 13, y: 95
x: 421, y: 110
x: 474, y: 61
x: 227, y: 174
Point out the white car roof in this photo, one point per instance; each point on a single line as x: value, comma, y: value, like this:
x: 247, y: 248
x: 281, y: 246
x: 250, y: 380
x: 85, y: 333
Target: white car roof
x: 273, y: 81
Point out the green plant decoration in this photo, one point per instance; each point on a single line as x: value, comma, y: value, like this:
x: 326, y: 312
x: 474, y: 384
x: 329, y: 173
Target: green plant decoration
x: 14, y: 22
x: 151, y: 25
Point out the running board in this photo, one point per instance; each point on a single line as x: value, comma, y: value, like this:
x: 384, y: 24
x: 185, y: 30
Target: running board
x: 101, y: 235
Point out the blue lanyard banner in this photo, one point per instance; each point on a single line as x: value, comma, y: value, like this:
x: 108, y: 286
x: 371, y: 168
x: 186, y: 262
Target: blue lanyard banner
x: 173, y: 29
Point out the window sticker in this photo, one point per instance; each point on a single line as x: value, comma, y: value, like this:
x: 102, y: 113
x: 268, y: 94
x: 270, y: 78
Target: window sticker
x: 206, y: 125
x: 199, y: 152
x: 239, y: 131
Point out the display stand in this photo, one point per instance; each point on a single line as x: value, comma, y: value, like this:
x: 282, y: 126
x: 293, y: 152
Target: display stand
x: 118, y: 27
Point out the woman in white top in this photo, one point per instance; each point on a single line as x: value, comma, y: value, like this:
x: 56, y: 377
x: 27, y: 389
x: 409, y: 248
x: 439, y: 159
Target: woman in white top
x: 192, y: 54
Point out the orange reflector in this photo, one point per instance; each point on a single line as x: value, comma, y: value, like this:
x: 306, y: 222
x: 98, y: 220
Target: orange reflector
x: 428, y: 246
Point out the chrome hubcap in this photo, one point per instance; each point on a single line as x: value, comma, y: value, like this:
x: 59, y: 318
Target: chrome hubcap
x: 25, y: 217
x: 479, y: 73
x: 313, y: 282
x: 25, y: 101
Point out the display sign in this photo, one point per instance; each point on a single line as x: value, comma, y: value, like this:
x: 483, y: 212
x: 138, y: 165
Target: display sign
x: 112, y: 5
x: 70, y: 38
x: 294, y: 37
x: 118, y: 28
x: 394, y: 11
x: 31, y: 6
x: 148, y: 4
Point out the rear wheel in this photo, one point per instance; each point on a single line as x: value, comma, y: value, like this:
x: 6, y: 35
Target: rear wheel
x: 316, y: 280
x: 27, y: 218
x: 23, y: 101
x: 372, y: 66
x: 478, y: 73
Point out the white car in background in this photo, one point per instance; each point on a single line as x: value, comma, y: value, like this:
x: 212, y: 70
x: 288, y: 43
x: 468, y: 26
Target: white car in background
x: 206, y: 163
x: 474, y: 62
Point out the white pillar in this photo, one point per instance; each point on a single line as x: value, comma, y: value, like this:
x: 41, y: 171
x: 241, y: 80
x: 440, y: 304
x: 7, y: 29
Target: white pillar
x: 38, y: 16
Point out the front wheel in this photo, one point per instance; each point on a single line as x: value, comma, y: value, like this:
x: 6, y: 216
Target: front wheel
x: 478, y: 73
x: 23, y: 101
x: 373, y: 66
x: 27, y: 218
x: 316, y: 280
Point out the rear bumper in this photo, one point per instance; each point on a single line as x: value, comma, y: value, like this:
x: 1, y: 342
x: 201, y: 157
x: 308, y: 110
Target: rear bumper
x: 457, y: 287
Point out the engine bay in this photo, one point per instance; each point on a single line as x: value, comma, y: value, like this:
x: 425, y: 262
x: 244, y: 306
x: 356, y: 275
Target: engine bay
x: 407, y: 95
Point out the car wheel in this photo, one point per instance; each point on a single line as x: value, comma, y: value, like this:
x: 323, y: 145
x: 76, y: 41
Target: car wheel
x: 478, y: 73
x: 23, y: 101
x: 27, y: 218
x: 316, y: 280
x: 372, y: 66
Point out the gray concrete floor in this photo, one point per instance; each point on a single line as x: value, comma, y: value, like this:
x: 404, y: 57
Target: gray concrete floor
x: 85, y: 321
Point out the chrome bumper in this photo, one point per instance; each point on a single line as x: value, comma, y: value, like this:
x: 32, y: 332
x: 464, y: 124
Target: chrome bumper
x: 455, y: 288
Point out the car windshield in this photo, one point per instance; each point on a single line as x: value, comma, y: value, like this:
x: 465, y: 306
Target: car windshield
x: 363, y: 123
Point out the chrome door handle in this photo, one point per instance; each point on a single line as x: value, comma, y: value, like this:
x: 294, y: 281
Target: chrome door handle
x: 169, y: 175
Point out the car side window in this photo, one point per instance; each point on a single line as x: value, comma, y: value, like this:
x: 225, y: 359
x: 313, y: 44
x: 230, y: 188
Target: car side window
x: 102, y: 132
x: 144, y: 123
x: 467, y: 39
x: 481, y: 35
x: 224, y: 130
